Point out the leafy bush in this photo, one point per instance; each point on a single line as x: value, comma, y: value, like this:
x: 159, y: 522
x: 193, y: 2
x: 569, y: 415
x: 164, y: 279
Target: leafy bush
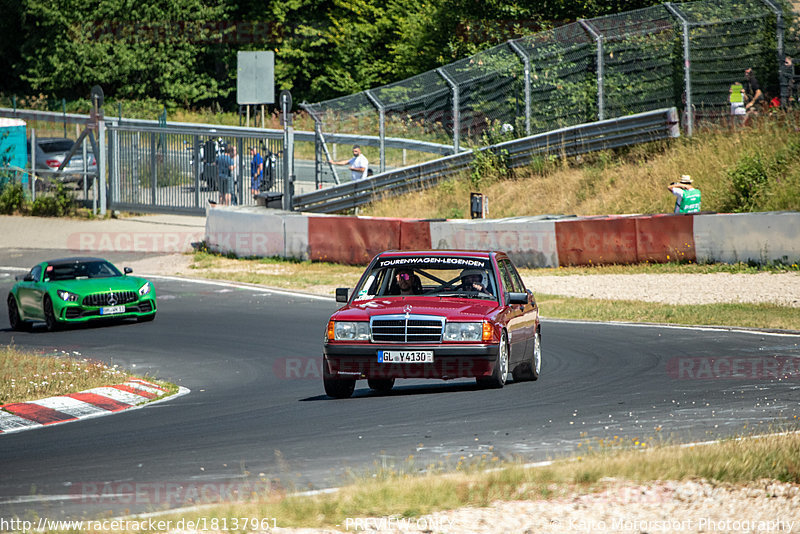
x: 748, y: 178
x: 487, y: 167
x: 12, y: 199
x: 59, y: 204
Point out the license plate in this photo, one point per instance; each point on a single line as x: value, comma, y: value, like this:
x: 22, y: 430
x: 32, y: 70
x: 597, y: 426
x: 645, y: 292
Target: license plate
x: 405, y: 356
x: 111, y: 310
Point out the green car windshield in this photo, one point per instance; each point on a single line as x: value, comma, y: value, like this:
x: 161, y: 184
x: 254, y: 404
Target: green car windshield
x: 88, y: 269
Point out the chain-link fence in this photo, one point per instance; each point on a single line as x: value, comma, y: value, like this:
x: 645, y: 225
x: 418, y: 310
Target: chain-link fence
x: 686, y: 55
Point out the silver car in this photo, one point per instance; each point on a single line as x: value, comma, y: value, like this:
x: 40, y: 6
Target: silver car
x: 51, y: 151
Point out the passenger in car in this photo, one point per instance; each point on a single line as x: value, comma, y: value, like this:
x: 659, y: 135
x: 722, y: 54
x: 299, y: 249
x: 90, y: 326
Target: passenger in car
x: 405, y: 283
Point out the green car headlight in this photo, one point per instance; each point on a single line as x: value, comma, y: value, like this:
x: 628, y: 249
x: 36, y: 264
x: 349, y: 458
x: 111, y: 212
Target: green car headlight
x: 351, y: 331
x: 145, y: 289
x: 67, y: 296
x: 463, y: 332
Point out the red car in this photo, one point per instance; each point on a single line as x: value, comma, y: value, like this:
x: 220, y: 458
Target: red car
x: 433, y: 314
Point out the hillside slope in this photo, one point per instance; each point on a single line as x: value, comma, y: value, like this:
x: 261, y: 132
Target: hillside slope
x: 738, y: 169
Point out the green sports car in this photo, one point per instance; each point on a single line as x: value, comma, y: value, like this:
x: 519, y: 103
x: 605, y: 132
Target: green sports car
x: 77, y: 290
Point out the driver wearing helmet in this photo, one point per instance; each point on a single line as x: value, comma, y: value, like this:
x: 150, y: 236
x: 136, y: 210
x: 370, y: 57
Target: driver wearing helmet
x: 474, y: 280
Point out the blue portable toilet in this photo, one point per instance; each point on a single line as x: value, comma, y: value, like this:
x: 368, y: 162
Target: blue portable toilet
x: 13, y: 149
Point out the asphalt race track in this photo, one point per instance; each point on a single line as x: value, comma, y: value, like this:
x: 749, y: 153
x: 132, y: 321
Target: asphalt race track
x: 257, y: 411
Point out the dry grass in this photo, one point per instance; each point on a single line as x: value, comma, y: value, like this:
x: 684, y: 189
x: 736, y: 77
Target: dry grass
x: 25, y: 377
x: 408, y: 491
x: 627, y: 181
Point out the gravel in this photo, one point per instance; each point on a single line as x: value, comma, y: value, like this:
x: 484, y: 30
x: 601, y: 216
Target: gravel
x: 777, y: 288
x: 659, y: 507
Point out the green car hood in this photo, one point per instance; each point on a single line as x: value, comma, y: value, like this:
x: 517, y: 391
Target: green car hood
x: 86, y: 286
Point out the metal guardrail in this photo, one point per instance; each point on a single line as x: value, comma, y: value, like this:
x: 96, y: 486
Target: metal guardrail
x: 570, y: 141
x: 47, y: 116
x: 213, y: 129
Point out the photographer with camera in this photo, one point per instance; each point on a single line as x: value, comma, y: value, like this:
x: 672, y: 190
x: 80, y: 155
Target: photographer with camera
x: 687, y: 197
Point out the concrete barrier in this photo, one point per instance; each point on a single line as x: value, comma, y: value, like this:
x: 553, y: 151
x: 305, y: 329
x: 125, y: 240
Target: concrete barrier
x: 529, y: 241
x: 350, y: 240
x: 246, y: 231
x: 543, y: 241
x: 625, y: 240
x: 748, y: 237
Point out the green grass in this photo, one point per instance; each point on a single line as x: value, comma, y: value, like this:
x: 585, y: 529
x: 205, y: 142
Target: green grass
x: 742, y: 315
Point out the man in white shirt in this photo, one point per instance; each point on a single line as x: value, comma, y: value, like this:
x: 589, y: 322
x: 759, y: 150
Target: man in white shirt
x: 358, y: 164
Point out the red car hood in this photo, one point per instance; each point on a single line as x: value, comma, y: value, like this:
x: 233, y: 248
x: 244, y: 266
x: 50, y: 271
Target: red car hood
x: 453, y: 308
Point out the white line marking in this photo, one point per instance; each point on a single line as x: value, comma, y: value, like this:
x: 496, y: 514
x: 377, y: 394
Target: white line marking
x: 241, y: 285
x: 728, y: 329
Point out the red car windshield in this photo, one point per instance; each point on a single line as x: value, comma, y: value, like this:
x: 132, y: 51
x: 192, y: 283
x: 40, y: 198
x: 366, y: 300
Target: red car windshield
x: 436, y: 276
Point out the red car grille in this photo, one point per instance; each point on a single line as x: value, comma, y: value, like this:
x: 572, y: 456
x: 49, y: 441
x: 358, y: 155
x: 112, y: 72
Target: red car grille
x: 406, y: 329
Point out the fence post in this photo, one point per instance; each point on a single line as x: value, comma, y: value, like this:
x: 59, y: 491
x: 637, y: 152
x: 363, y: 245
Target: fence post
x: 689, y: 107
x: 526, y: 62
x: 456, y: 108
x: 32, y: 177
x: 601, y: 97
x: 113, y: 176
x: 381, y: 127
x: 196, y: 160
x: 101, y: 164
x: 153, y: 167
x: 320, y: 148
x: 779, y: 35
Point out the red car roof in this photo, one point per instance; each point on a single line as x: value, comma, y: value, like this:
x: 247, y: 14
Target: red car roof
x: 457, y: 253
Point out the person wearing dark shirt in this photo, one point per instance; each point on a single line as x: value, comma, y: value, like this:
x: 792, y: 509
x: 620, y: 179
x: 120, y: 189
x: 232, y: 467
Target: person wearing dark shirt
x: 752, y: 91
x: 225, y: 165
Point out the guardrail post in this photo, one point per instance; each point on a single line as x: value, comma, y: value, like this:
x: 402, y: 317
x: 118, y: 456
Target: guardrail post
x: 601, y: 97
x: 381, y: 127
x: 779, y: 34
x: 687, y: 77
x: 526, y: 62
x: 456, y: 108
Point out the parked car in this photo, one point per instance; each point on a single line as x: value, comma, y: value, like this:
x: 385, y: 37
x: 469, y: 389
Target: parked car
x: 51, y: 152
x: 77, y: 290
x: 433, y: 314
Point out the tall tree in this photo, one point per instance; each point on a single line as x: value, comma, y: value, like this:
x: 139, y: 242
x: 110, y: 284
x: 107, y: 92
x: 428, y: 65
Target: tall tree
x: 134, y: 49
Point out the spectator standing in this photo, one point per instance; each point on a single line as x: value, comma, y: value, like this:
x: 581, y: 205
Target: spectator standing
x: 358, y: 164
x: 687, y: 198
x: 225, y: 165
x: 256, y: 171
